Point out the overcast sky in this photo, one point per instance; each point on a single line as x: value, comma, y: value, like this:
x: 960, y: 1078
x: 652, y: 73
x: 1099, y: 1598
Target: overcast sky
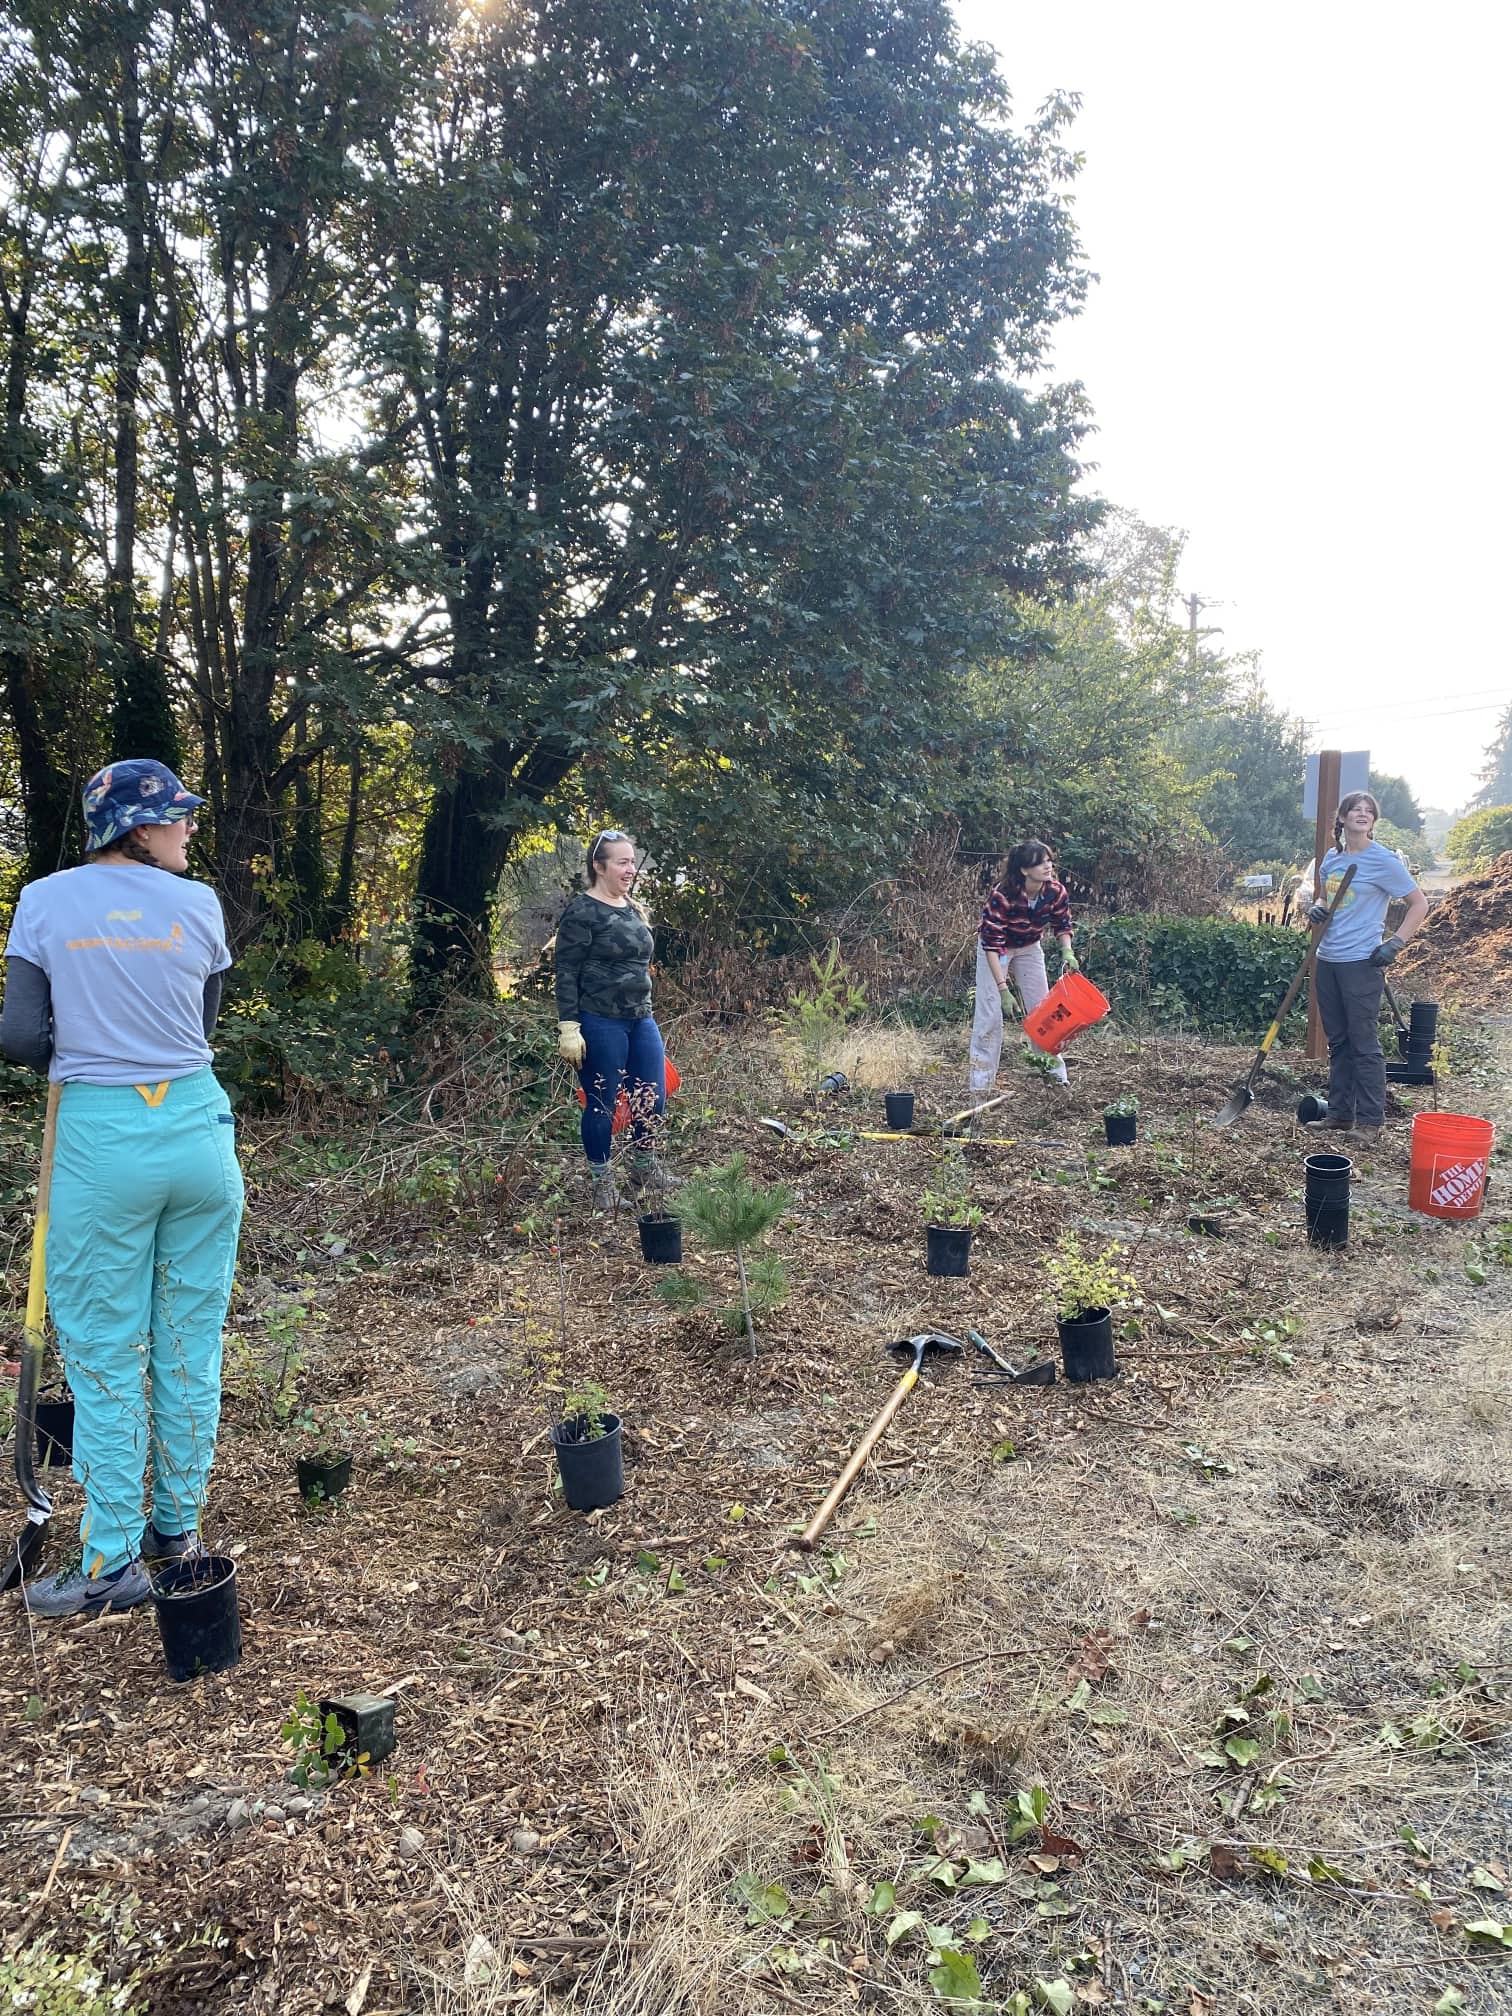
x: 1297, y: 350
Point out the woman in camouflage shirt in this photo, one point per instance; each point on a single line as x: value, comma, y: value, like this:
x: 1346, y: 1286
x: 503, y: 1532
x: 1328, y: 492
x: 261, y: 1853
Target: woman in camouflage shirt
x: 606, y: 1029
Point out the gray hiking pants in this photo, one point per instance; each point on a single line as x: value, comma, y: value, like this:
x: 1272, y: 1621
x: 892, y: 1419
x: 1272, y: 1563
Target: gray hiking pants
x: 1349, y: 1007
x: 1026, y: 968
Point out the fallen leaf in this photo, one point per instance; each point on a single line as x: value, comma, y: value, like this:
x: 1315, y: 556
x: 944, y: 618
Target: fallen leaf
x: 1060, y: 1844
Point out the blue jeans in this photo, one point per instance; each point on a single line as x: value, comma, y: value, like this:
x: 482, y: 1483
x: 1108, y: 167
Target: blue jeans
x: 623, y: 1056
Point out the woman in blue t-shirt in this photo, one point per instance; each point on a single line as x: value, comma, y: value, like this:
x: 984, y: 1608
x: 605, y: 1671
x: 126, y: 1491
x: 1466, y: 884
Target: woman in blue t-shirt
x: 113, y: 983
x: 1352, y: 961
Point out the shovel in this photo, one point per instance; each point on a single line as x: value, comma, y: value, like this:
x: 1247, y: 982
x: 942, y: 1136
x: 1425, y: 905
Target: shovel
x: 1242, y: 1097
x: 23, y: 1553
x: 926, y: 1340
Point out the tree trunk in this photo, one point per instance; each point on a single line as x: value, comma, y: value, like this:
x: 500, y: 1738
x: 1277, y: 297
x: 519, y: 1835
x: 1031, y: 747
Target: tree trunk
x: 142, y: 722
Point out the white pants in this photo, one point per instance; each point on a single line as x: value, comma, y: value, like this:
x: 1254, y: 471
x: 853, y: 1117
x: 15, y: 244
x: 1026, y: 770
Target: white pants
x: 1026, y: 969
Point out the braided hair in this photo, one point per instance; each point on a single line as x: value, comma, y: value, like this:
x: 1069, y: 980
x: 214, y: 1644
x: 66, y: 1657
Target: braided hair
x: 1347, y: 804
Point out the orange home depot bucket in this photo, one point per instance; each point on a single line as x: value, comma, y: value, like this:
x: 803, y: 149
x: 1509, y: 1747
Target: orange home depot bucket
x: 622, y: 1105
x: 1073, y: 1004
x: 1450, y: 1155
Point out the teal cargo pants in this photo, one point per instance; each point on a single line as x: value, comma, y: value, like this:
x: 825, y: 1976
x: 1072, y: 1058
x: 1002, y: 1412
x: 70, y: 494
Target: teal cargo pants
x: 141, y: 1249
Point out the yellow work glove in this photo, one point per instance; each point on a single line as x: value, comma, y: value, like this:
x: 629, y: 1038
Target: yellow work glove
x: 570, y: 1045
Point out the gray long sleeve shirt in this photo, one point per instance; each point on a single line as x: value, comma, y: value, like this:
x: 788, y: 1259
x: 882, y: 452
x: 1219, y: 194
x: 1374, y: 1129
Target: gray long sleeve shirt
x: 26, y: 1033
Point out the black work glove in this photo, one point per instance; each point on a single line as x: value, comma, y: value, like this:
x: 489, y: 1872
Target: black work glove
x: 1385, y: 953
x: 1318, y: 914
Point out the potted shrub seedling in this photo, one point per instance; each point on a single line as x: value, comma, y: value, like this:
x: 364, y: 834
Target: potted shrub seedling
x: 1087, y: 1286
x: 1121, y: 1120
x: 589, y: 1453
x: 732, y: 1214
x: 660, y: 1229
x: 323, y: 1472
x: 950, y: 1218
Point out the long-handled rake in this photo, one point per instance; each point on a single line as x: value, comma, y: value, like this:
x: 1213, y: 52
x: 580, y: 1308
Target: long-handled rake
x: 28, y: 1545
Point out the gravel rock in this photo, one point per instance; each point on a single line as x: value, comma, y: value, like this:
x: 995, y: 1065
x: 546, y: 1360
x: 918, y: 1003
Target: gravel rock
x: 238, y: 1815
x: 526, y: 1841
x: 411, y: 1842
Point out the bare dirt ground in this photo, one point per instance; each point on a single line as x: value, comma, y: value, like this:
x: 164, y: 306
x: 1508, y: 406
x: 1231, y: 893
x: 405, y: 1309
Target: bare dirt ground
x: 1188, y: 1692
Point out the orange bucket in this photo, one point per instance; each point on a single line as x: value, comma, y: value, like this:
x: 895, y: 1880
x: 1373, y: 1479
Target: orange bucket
x: 622, y: 1105
x: 1073, y: 1004
x: 1450, y: 1156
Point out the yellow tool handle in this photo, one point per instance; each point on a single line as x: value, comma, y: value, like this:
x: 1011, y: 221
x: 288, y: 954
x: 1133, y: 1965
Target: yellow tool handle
x: 36, y: 1287
x: 810, y: 1535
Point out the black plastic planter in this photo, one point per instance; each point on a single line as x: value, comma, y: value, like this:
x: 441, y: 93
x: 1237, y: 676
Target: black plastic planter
x: 1326, y: 1199
x: 593, y: 1473
x: 55, y: 1428
x: 1310, y: 1107
x: 322, y: 1478
x: 1087, y: 1346
x: 949, y: 1249
x: 195, y: 1600
x: 1121, y: 1129
x: 900, y: 1110
x: 367, y: 1723
x: 835, y: 1082
x: 660, y: 1237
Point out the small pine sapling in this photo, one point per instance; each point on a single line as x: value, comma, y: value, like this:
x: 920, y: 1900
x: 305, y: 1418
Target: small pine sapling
x: 731, y: 1213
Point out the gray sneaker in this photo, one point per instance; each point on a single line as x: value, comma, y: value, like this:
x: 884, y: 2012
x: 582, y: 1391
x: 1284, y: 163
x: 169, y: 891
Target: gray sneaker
x: 605, y: 1194
x: 72, y: 1593
x: 166, y: 1546
x: 649, y: 1174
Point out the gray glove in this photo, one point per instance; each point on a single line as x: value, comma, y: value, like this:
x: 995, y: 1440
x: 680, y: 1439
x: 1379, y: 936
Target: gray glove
x: 1386, y: 952
x: 1318, y: 913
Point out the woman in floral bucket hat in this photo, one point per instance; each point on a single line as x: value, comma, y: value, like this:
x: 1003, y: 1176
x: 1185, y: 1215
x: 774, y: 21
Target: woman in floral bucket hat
x: 113, y: 983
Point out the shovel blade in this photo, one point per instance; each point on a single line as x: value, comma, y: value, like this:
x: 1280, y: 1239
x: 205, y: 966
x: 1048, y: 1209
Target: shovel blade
x: 1239, y: 1101
x: 24, y: 1554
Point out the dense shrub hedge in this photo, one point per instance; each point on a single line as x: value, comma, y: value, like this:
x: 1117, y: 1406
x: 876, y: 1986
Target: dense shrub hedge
x: 1213, y: 974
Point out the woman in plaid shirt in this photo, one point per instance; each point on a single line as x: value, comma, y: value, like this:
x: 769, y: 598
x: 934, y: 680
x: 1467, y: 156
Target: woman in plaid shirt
x: 1010, y: 965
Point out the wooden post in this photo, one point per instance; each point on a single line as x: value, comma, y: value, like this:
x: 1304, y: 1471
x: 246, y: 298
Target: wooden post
x: 1328, y: 804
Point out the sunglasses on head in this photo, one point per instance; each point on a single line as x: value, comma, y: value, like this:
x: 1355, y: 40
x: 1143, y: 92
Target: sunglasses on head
x: 604, y: 840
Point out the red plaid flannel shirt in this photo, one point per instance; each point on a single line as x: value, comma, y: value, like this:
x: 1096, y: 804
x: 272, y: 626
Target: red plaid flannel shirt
x: 1011, y: 922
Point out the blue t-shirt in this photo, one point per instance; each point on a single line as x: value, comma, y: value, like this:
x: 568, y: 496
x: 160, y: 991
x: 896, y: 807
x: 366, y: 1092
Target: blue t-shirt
x: 1359, y: 923
x: 126, y: 951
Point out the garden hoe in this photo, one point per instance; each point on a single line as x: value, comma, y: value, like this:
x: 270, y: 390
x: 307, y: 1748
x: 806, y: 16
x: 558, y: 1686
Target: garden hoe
x: 926, y: 1340
x: 1242, y: 1097
x: 1042, y: 1374
x: 28, y: 1546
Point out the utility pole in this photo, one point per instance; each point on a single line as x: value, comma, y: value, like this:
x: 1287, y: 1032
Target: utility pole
x: 1328, y: 798
x: 1194, y: 605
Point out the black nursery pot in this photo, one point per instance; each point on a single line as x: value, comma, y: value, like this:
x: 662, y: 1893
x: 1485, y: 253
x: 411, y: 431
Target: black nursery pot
x: 55, y: 1426
x: 593, y: 1473
x: 1121, y: 1129
x: 900, y: 1110
x: 1087, y: 1346
x: 367, y: 1723
x: 323, y: 1476
x: 835, y: 1082
x: 660, y: 1237
x: 200, y: 1625
x: 1326, y: 1199
x: 949, y: 1249
x: 1311, y: 1107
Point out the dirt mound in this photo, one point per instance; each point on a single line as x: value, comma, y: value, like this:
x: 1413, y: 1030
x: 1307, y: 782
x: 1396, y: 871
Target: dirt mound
x: 1466, y: 945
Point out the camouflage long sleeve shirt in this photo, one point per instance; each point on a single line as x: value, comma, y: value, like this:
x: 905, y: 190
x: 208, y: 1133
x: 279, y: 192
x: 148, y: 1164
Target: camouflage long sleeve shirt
x: 603, y: 961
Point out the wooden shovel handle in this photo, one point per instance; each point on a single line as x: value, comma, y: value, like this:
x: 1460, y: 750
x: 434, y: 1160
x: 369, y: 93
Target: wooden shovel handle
x: 809, y: 1538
